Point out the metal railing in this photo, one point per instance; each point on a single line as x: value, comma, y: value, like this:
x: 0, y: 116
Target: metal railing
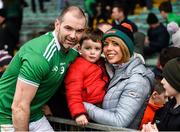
x: 61, y: 124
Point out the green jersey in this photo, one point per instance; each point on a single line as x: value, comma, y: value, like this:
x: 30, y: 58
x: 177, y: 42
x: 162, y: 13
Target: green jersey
x: 40, y: 62
x: 173, y: 17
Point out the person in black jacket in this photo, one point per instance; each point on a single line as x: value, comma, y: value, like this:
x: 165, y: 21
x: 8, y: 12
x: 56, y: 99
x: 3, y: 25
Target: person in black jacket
x: 167, y: 118
x: 157, y: 36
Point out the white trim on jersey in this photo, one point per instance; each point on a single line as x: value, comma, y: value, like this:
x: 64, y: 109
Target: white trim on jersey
x: 56, y: 41
x: 47, y: 48
x: 28, y: 81
x: 51, y: 48
x: 50, y: 51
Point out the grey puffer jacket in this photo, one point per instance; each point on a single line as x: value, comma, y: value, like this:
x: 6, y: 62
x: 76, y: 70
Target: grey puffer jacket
x: 128, y: 91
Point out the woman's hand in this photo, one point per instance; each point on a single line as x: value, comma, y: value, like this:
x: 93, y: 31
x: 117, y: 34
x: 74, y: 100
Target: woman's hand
x: 81, y: 120
x: 149, y: 128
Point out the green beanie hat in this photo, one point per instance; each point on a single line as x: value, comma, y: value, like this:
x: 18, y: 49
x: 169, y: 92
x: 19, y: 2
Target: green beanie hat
x: 171, y: 72
x: 122, y: 34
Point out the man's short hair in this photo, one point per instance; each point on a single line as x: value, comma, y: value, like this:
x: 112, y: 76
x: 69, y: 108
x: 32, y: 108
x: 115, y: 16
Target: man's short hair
x: 75, y: 9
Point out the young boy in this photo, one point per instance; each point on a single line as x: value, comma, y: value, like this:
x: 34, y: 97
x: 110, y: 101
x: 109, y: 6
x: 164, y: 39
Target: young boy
x: 156, y: 101
x: 86, y: 78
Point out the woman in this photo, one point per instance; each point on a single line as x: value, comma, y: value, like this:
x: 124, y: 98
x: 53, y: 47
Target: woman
x: 130, y: 85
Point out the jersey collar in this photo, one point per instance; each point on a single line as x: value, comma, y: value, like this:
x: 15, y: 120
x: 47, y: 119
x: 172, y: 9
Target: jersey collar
x: 56, y: 40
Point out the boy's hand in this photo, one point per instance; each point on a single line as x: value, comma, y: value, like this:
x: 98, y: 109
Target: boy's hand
x: 81, y: 120
x: 149, y: 128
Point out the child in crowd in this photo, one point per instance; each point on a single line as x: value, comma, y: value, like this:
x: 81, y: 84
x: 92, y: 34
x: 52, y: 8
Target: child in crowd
x: 5, y: 59
x: 167, y: 118
x: 156, y: 101
x: 86, y: 79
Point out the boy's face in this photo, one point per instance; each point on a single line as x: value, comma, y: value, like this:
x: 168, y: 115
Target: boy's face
x: 159, y: 99
x: 169, y: 90
x: 91, y: 50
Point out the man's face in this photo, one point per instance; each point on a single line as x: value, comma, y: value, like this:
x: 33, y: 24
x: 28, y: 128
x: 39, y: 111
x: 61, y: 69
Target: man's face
x: 70, y: 30
x: 117, y: 14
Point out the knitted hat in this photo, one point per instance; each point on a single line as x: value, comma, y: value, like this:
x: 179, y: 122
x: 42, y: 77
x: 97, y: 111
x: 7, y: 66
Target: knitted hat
x: 171, y: 73
x: 152, y: 18
x: 5, y: 58
x: 123, y: 33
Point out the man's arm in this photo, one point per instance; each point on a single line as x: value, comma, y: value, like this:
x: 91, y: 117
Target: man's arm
x: 24, y: 94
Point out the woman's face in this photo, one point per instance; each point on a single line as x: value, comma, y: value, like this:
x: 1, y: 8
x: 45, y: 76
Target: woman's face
x: 169, y: 90
x: 112, y: 50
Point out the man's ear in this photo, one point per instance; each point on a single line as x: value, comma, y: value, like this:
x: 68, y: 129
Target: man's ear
x: 57, y: 25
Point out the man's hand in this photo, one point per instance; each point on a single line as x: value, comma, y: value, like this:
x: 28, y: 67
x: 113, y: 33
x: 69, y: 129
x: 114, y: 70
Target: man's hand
x: 81, y: 120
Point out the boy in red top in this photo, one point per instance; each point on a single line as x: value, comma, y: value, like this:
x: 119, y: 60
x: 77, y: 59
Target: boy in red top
x: 156, y: 101
x: 86, y: 79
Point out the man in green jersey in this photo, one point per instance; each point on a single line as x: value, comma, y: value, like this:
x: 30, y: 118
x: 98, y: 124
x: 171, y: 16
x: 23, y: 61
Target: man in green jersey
x: 166, y: 11
x: 36, y: 71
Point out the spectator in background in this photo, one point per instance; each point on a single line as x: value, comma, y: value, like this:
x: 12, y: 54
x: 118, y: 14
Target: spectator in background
x: 90, y: 8
x: 14, y: 16
x: 130, y: 85
x: 166, y: 12
x: 168, y: 54
x: 167, y: 118
x: 5, y: 59
x: 41, y: 6
x: 165, y: 55
x: 120, y: 15
x: 157, y: 36
x: 2, y: 28
x: 156, y: 101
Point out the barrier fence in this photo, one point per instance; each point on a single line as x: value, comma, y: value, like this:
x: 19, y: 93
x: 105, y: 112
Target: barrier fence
x: 61, y: 124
